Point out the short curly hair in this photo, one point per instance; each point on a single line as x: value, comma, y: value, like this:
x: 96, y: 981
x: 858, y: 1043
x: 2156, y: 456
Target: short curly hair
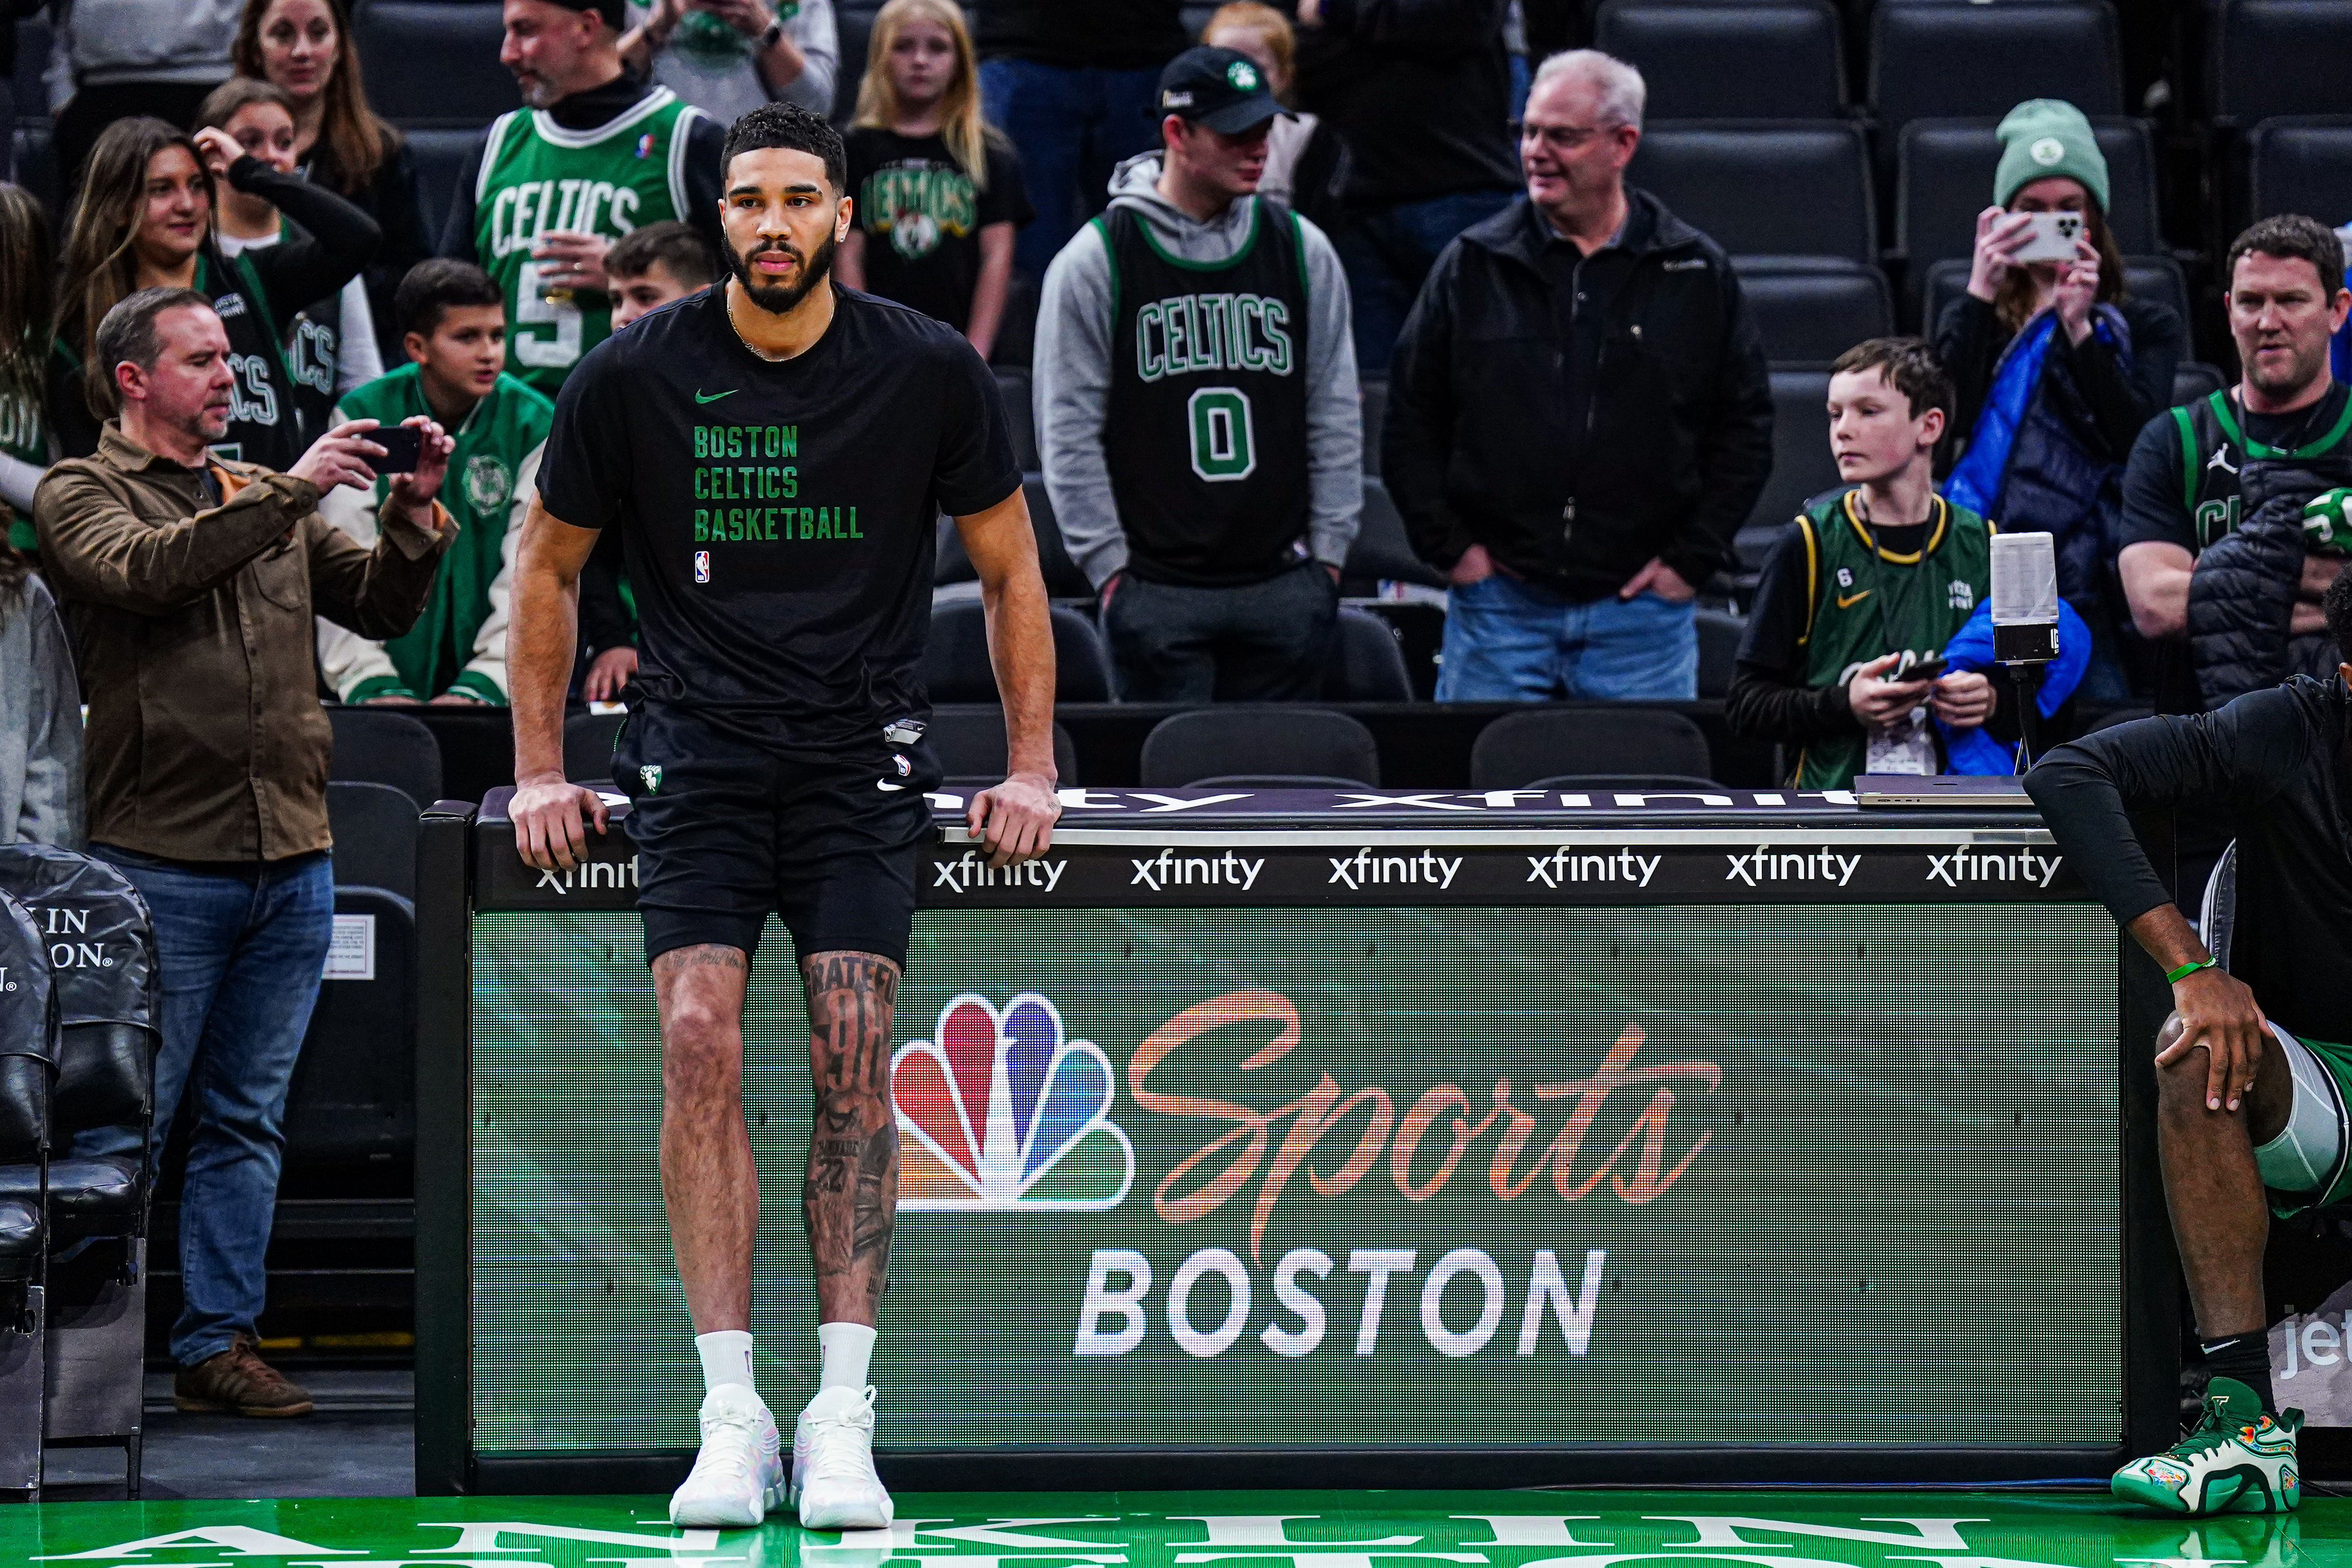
x: 1910, y: 366
x: 786, y: 124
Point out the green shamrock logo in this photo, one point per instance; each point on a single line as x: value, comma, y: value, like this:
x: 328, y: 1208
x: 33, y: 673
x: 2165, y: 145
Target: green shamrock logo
x: 1243, y: 75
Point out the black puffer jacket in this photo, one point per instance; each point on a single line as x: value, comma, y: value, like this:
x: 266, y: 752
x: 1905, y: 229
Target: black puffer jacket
x: 2242, y: 596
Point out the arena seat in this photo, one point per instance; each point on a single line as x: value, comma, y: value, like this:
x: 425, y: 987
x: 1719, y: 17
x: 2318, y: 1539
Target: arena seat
x: 1062, y: 578
x: 433, y: 62
x: 1582, y: 741
x: 1626, y: 783
x: 588, y: 740
x: 1941, y: 61
x: 28, y: 1064
x: 440, y: 153
x: 968, y: 740
x: 1265, y: 742
x: 378, y: 745
x: 854, y: 21
x: 1809, y: 310
x: 37, y: 163
x: 2192, y: 379
x: 352, y: 1099
x: 1736, y: 180
x: 2303, y: 165
x: 955, y: 667
x: 1801, y: 466
x: 1381, y: 551
x: 33, y: 36
x: 2156, y: 277
x: 1373, y: 390
x: 1020, y: 417
x: 375, y: 829
x: 1367, y: 661
x: 2273, y: 58
x: 1944, y: 173
x: 1776, y: 60
x: 1719, y: 632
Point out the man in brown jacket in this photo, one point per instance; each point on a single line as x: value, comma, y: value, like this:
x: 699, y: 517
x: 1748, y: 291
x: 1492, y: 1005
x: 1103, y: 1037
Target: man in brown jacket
x: 189, y: 584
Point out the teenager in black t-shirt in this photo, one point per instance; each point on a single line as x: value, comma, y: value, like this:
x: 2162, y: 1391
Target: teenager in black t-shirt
x: 774, y: 453
x: 938, y: 191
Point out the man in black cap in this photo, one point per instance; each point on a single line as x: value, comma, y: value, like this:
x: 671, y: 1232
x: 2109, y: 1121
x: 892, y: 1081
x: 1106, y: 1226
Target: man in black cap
x: 1197, y: 407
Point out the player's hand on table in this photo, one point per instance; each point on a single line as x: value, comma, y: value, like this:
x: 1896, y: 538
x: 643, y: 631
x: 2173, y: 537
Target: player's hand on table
x: 1875, y: 701
x: 570, y: 260
x: 1963, y: 698
x: 1015, y: 819
x: 548, y: 816
x: 2218, y: 1012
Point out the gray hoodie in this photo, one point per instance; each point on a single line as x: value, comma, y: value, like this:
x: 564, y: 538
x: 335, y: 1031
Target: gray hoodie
x: 1073, y: 376
x: 40, y: 722
x: 99, y: 42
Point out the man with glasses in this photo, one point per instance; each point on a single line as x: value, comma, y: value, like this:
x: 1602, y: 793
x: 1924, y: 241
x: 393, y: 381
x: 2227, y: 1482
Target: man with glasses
x: 1579, y: 416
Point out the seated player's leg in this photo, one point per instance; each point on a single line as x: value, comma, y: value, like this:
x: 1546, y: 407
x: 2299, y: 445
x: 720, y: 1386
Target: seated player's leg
x: 850, y: 1204
x: 711, y: 1189
x: 2288, y: 1136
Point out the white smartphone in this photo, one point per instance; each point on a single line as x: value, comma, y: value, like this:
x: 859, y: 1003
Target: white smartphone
x: 2050, y: 236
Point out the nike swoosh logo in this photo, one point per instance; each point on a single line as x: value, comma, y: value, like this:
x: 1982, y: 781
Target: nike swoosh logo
x: 1845, y: 602
x: 701, y: 396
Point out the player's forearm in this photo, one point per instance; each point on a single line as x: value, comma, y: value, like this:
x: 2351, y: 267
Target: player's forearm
x: 2166, y: 935
x: 540, y: 642
x: 1021, y: 649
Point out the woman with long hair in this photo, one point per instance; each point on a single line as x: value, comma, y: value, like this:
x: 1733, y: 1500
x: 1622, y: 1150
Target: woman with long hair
x: 24, y: 314
x: 938, y: 189
x: 2057, y: 369
x: 305, y: 50
x: 146, y: 219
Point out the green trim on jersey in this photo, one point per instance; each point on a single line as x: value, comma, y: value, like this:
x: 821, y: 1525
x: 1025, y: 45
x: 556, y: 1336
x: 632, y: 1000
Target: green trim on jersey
x: 2336, y: 1061
x: 1240, y: 255
x: 1864, y: 601
x: 536, y: 178
x: 2224, y: 434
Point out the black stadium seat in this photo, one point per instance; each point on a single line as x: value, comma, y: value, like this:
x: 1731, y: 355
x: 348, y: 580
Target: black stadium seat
x: 1719, y: 633
x: 853, y: 20
x: 1541, y: 743
x: 431, y: 62
x: 2192, y: 380
x: 1944, y: 178
x: 352, y: 1099
x: 1960, y: 60
x: 378, y: 745
x: 2305, y: 165
x: 1367, y: 661
x: 1259, y: 741
x: 29, y: 1066
x: 1381, y: 552
x: 1810, y: 310
x: 1739, y: 182
x: 1020, y: 417
x: 588, y: 740
x: 375, y: 829
x: 1775, y: 60
x: 968, y: 740
x: 955, y: 666
x: 2273, y: 57
x: 1062, y: 578
x: 439, y: 154
x: 1374, y: 391
x: 1801, y: 467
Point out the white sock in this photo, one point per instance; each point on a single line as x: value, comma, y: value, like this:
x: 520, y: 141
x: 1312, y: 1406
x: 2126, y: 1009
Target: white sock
x: 845, y: 1348
x: 726, y: 1359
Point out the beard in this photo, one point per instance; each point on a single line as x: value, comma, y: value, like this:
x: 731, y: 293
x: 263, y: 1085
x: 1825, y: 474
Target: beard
x: 781, y: 299
x: 2303, y: 369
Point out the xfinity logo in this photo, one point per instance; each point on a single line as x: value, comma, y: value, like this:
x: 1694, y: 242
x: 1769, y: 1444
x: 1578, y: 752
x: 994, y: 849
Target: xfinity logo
x: 1812, y: 866
x: 1976, y: 866
x: 1165, y: 870
x: 589, y: 875
x: 970, y: 871
x: 1559, y: 867
x: 1364, y: 869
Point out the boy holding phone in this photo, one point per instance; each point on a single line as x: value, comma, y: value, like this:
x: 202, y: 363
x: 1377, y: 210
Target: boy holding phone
x: 454, y: 325
x: 1843, y: 661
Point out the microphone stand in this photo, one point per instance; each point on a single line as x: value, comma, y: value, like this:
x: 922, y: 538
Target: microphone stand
x: 2025, y: 646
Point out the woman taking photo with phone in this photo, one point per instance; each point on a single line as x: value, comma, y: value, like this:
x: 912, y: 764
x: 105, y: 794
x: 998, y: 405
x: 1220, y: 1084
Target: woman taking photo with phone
x: 2056, y: 368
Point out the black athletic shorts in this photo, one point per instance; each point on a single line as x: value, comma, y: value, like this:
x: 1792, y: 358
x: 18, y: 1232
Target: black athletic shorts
x: 727, y: 831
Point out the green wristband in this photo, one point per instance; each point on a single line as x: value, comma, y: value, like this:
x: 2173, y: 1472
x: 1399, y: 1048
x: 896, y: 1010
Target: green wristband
x: 2175, y: 977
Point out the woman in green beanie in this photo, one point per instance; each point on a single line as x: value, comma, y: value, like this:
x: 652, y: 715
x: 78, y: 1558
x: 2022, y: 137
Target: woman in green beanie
x: 2057, y: 369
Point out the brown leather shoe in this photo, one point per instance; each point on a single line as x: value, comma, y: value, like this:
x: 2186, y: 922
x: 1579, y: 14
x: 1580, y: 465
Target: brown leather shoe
x: 237, y: 1381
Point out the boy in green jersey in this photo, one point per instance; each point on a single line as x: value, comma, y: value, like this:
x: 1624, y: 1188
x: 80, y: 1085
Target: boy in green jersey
x: 1880, y: 571
x: 454, y: 323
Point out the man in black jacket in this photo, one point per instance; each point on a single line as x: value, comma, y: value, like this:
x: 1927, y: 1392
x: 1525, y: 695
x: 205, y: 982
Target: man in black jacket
x: 1579, y: 416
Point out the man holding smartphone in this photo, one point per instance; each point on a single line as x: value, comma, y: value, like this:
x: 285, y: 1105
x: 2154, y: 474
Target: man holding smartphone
x: 191, y: 584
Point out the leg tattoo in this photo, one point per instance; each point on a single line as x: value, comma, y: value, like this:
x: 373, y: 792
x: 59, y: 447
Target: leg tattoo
x: 851, y: 1197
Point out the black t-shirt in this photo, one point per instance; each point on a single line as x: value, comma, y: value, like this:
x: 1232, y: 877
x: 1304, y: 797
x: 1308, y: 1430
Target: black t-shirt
x: 923, y: 217
x: 778, y: 518
x: 2153, y: 511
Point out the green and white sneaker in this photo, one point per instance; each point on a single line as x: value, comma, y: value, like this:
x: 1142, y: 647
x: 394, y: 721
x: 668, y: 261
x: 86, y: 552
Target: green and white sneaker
x: 2238, y: 1460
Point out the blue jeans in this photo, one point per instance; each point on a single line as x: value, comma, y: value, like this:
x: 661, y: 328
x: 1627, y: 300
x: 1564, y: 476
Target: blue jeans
x: 1072, y: 127
x: 1387, y: 252
x: 241, y: 964
x: 1510, y: 641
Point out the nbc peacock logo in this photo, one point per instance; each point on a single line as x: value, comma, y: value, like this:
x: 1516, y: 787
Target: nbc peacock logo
x: 1007, y: 1113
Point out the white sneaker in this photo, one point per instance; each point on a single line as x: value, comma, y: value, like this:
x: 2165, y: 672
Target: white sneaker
x: 833, y: 1462
x: 739, y: 1475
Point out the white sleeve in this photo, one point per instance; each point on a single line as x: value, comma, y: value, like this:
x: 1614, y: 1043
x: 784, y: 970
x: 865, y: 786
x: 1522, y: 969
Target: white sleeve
x: 18, y: 479
x: 358, y: 359
x: 489, y: 659
x: 347, y: 658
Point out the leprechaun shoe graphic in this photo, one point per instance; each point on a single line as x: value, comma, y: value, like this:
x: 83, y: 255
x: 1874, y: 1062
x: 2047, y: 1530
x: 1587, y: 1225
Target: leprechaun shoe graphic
x: 2238, y: 1458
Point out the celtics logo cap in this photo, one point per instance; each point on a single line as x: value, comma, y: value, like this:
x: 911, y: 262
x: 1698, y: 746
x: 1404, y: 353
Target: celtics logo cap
x: 1220, y: 89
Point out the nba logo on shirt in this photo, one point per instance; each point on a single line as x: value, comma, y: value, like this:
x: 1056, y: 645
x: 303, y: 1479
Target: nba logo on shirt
x: 702, y: 566
x: 646, y: 145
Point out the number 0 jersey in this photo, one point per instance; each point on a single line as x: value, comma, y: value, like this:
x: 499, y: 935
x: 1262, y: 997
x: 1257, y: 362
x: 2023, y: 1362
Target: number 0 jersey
x: 1206, y: 429
x: 537, y: 178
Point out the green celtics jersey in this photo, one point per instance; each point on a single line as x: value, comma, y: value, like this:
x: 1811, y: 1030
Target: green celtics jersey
x: 2214, y: 446
x: 25, y: 436
x: 459, y: 642
x: 537, y: 178
x: 1862, y: 602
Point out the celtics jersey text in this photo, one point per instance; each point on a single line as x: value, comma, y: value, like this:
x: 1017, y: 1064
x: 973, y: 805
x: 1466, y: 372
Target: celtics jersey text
x: 538, y: 178
x: 1206, y: 431
x: 1862, y: 602
x: 2214, y: 446
x: 25, y: 436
